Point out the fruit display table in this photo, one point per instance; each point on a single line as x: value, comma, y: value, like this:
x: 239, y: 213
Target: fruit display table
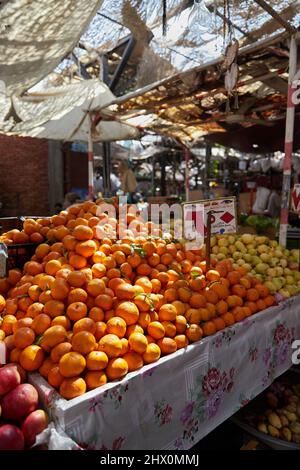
x: 174, y: 403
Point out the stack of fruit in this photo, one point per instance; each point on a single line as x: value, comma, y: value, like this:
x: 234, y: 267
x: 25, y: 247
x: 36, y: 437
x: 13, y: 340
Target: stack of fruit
x: 275, y: 266
x: 20, y: 420
x: 88, y: 309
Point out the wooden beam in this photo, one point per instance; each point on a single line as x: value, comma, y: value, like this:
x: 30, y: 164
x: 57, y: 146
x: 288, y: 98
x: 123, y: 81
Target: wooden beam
x: 265, y: 6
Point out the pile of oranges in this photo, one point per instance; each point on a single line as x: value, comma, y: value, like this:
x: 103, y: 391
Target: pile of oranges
x: 85, y: 311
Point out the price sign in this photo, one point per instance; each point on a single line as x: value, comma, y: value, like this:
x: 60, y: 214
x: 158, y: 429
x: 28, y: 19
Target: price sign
x: 194, y: 226
x: 295, y: 198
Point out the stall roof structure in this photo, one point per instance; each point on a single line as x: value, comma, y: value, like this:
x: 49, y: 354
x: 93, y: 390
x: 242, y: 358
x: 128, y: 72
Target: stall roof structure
x: 194, y: 103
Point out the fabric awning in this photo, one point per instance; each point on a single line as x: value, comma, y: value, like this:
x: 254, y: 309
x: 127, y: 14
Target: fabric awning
x: 37, y: 35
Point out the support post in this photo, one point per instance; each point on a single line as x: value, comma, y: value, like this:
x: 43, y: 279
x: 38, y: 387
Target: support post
x: 187, y: 184
x: 288, y: 147
x: 90, y: 163
x: 106, y: 169
x: 207, y: 170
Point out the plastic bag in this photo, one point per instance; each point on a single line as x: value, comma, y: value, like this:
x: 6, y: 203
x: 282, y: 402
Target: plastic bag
x: 55, y: 439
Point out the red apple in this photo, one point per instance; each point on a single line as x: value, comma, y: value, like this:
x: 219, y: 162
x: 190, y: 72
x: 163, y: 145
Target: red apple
x: 9, y: 379
x: 19, y: 402
x: 33, y: 425
x: 11, y: 438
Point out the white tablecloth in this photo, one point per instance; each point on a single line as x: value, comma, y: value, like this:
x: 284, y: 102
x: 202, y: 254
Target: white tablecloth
x: 172, y: 404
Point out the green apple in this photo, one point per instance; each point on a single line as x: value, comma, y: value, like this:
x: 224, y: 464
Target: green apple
x: 248, y: 267
x: 247, y: 238
x: 220, y: 256
x: 255, y: 260
x: 289, y: 280
x: 247, y: 257
x: 274, y: 262
x: 265, y: 257
x: 236, y: 255
x: 223, y: 242
x: 285, y: 293
x: 261, y: 268
x: 283, y: 262
x: 263, y: 248
x: 213, y: 241
x: 215, y: 249
x: 270, y: 285
x: 240, y: 262
x: 240, y: 247
x: 252, y: 251
x: 223, y: 250
x: 231, y: 239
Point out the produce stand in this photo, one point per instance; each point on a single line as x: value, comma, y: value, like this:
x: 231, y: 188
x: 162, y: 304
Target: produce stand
x: 176, y: 402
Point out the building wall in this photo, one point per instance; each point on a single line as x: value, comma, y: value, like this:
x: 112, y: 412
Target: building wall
x: 24, y: 185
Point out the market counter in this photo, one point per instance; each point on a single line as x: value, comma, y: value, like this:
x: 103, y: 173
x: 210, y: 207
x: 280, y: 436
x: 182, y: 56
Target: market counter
x: 175, y: 402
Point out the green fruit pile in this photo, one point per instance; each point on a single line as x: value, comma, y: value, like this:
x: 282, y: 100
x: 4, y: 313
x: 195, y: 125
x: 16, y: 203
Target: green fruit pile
x: 276, y: 266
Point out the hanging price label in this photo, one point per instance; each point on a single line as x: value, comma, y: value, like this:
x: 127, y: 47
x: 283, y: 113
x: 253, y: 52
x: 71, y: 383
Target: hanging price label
x: 295, y: 198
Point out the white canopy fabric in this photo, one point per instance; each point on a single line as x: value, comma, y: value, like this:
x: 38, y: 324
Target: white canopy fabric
x: 64, y: 114
x: 37, y: 35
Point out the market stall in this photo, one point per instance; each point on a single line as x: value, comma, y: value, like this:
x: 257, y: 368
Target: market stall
x: 176, y: 402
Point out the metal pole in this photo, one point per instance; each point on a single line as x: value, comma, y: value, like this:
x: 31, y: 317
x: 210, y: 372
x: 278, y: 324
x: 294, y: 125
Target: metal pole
x: 207, y: 170
x: 288, y: 147
x: 90, y: 163
x: 187, y: 185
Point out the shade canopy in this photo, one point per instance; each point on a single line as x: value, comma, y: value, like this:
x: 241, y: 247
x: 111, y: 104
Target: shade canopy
x: 37, y: 35
x: 66, y: 113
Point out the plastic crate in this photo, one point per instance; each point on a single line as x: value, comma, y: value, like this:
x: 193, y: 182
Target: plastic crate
x: 19, y: 254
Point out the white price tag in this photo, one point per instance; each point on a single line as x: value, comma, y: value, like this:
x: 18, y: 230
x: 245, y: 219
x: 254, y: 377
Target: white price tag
x: 2, y: 352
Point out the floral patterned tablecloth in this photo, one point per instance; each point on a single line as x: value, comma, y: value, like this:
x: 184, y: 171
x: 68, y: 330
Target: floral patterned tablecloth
x: 174, y: 403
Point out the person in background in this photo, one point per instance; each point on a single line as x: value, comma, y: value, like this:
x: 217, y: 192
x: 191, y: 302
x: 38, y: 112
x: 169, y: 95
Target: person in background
x: 58, y: 207
x: 98, y: 183
x: 128, y: 180
x: 274, y: 204
x: 70, y: 199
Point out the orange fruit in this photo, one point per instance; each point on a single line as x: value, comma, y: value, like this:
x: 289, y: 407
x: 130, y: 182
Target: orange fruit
x: 117, y: 368
x: 238, y: 313
x: 234, y: 277
x: 59, y: 289
x: 86, y: 248
x: 133, y: 329
x: 138, y: 342
x: 167, y: 345
x: 111, y: 345
x: 77, y: 295
x: 228, y: 318
x: 98, y: 270
x: 152, y: 353
x: 45, y: 367
x: 179, y: 306
x: 197, y: 300
x: 96, y: 360
x: 52, y: 267
x: 194, y: 332
x: 7, y: 324
x: 252, y: 295
x: 239, y: 290
x: 59, y: 350
x: 156, y: 330
x: 77, y: 261
x: 128, y: 311
x: 95, y: 379
x: 100, y: 330
x: 145, y: 283
x: 181, y: 341
x: 23, y: 337
x: 170, y: 329
x: 84, y: 324
x: 54, y: 308
x: 71, y: 364
x: 125, y: 346
x: 31, y: 358
x: 104, y: 301
x: 209, y: 328
x: 219, y: 323
x: 83, y: 342
x: 211, y: 296
x: 262, y: 290
x: 117, y: 326
x: 167, y: 312
x: 244, y: 281
x: 180, y: 324
x: 62, y: 320
x: 76, y: 311
x: 144, y: 319
x: 212, y: 275
x: 269, y: 300
x: 82, y: 233
x: 96, y: 314
x: 95, y: 287
x: 15, y: 355
x: 76, y: 279
x: 252, y: 306
x: 54, y: 377
x: 134, y: 360
x: 261, y: 304
x: 53, y: 336
x: 221, y: 307
x: 72, y: 387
